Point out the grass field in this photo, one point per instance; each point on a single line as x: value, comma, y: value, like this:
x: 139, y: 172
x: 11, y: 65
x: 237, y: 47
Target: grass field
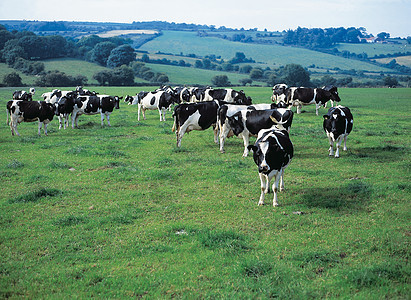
x: 177, y: 42
x: 120, y: 212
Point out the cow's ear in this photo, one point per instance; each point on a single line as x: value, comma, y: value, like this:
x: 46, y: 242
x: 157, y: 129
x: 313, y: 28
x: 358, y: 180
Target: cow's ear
x: 252, y: 148
x: 326, y: 117
x: 120, y: 97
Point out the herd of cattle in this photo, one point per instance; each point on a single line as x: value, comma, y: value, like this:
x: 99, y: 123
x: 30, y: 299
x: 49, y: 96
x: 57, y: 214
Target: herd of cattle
x: 228, y: 111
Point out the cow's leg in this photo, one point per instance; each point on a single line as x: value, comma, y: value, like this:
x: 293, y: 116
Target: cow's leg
x: 45, y: 129
x: 144, y: 113
x: 40, y: 125
x: 73, y: 119
x: 223, y: 135
x: 282, y: 180
x: 345, y: 142
x: 331, y: 141
x: 108, y: 119
x: 13, y: 127
x: 264, y: 183
x: 179, y: 134
x: 66, y: 121
x: 317, y: 107
x: 138, y: 112
x: 246, y: 140
x: 215, y: 130
x: 60, y: 117
x: 102, y: 119
x: 338, y: 144
x: 277, y: 178
x: 160, y: 113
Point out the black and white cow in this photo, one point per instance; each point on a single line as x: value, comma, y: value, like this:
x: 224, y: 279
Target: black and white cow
x: 229, y: 95
x: 299, y: 96
x: 195, y: 116
x: 338, y: 123
x: 246, y: 123
x: 29, y: 111
x: 279, y: 92
x: 160, y: 101
x: 228, y: 110
x: 183, y: 93
x: 272, y: 152
x: 23, y: 95
x: 332, y: 89
x: 91, y: 105
x: 64, y: 107
x: 199, y: 94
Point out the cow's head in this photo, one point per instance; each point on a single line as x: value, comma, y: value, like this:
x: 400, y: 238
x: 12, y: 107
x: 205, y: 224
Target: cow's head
x: 128, y: 99
x: 116, y: 100
x: 260, y: 151
x: 236, y: 123
x: 333, y: 92
x: 279, y: 89
x: 32, y: 91
x: 334, y: 121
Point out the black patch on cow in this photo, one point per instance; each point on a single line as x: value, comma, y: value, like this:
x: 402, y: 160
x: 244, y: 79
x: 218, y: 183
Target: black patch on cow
x: 31, y: 110
x: 93, y: 104
x: 153, y: 100
x: 340, y: 124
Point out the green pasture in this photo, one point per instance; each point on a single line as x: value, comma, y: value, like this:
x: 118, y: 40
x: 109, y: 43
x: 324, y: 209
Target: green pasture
x: 373, y: 49
x: 120, y: 212
x: 177, y: 42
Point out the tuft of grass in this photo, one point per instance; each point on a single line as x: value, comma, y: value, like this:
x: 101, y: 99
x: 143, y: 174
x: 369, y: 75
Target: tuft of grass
x: 69, y: 221
x: 58, y: 165
x: 226, y: 240
x: 36, y: 195
x: 256, y: 268
x: 15, y: 164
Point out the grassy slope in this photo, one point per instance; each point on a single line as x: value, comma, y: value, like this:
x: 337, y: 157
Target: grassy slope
x: 274, y: 55
x: 120, y: 212
x: 183, y: 75
x: 374, y: 49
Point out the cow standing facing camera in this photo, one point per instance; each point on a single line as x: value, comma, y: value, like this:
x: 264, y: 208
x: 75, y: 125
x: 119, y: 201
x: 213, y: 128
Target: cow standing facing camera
x: 338, y: 124
x: 272, y: 152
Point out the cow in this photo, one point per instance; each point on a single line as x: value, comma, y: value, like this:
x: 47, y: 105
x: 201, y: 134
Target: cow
x: 332, y: 89
x: 337, y: 124
x: 54, y: 96
x: 195, y: 116
x: 279, y: 92
x: 23, y: 95
x: 29, y: 111
x: 64, y: 107
x: 160, y: 100
x: 200, y: 94
x: 228, y: 95
x: 272, y: 153
x: 183, y: 93
x: 91, y: 105
x: 246, y: 123
x: 299, y: 96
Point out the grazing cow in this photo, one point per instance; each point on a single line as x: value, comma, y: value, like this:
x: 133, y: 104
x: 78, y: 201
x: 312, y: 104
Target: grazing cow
x: 272, y: 152
x: 304, y: 96
x: 338, y: 123
x: 155, y: 100
x: 246, y: 123
x: 23, y: 95
x: 229, y: 95
x: 91, y: 105
x: 29, y: 111
x: 195, y: 116
x: 183, y: 93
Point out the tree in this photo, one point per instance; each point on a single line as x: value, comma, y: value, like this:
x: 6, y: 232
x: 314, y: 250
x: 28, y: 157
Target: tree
x: 122, y: 55
x: 123, y: 75
x: 101, y: 52
x: 220, y: 80
x: 198, y: 64
x: 12, y: 79
x: 390, y: 81
x: 256, y: 73
x: 246, y: 69
x: 103, y: 77
x: 244, y: 81
x: 295, y: 75
x: 383, y: 35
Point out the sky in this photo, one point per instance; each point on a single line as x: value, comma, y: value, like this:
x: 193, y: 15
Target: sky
x: 392, y: 16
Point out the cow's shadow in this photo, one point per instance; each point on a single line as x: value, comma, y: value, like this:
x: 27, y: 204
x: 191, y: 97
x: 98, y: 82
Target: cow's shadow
x: 350, y: 197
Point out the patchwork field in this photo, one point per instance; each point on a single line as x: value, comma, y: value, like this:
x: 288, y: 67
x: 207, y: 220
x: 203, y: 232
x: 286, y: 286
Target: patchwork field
x: 119, y: 212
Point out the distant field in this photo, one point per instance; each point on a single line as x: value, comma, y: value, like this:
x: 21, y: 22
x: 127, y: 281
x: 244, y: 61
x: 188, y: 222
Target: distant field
x: 120, y: 212
x: 373, y: 49
x: 273, y: 55
x: 4, y: 70
x: 402, y: 60
x: 113, y: 33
